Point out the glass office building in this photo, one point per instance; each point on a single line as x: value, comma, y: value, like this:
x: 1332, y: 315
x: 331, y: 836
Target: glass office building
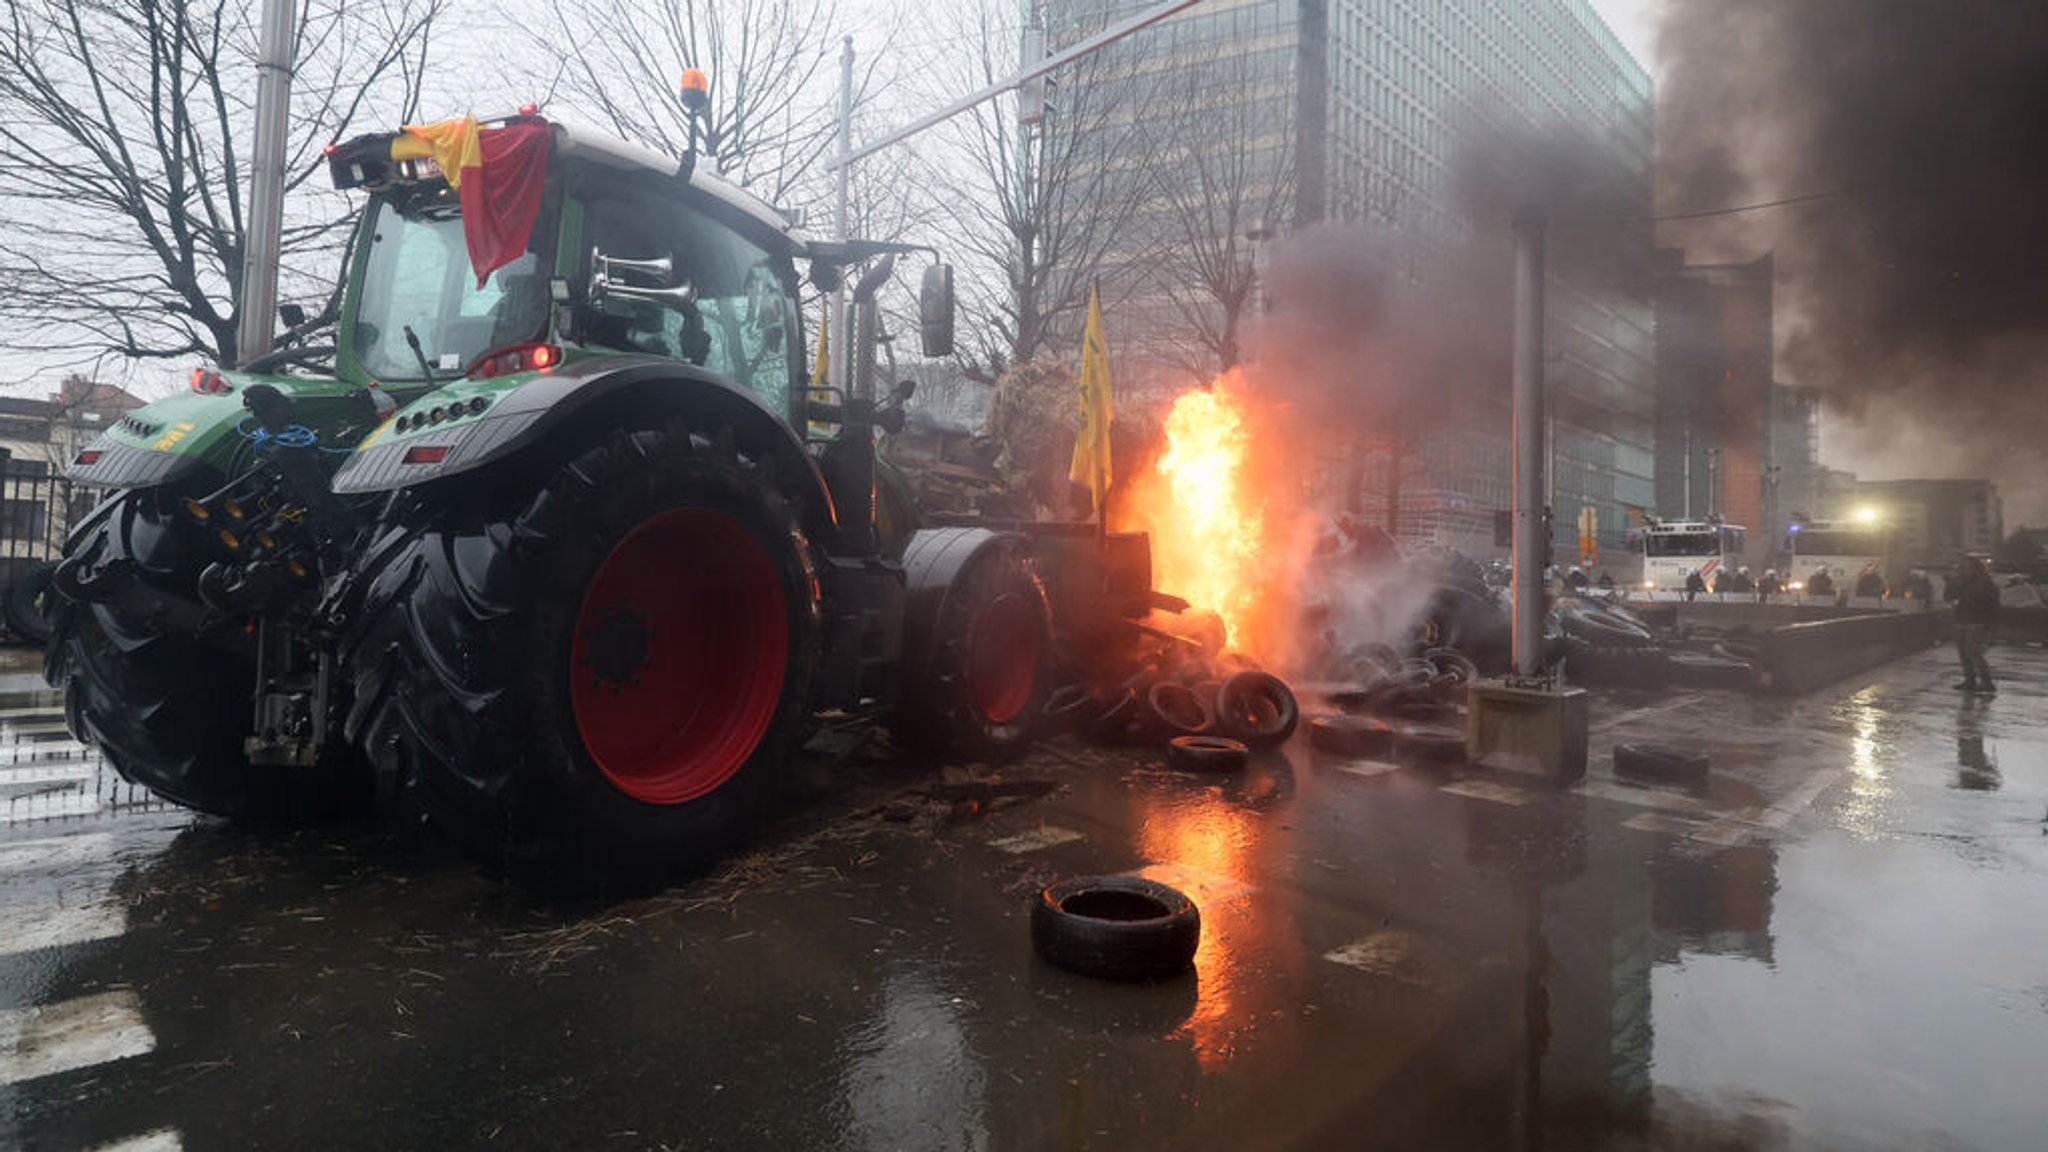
x: 1369, y: 112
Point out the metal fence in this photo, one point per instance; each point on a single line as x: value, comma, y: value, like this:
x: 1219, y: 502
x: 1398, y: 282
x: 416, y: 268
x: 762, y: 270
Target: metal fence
x: 37, y: 508
x: 45, y: 775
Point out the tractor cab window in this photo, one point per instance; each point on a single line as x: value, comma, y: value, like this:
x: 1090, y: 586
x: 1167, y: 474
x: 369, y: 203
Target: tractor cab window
x: 418, y: 276
x: 726, y: 304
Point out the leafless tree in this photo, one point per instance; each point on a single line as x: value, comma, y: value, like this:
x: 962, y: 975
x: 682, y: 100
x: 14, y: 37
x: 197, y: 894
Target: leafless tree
x: 1041, y: 206
x: 772, y: 66
x: 1224, y: 169
x: 124, y: 123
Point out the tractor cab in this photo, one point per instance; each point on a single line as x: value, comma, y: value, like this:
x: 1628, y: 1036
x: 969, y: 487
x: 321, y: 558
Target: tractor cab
x: 553, y: 248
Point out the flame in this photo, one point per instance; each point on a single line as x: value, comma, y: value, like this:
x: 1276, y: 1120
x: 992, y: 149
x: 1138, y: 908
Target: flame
x: 1199, y: 503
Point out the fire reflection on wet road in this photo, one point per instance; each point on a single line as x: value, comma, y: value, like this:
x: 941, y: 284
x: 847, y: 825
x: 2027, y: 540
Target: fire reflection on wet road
x: 1835, y: 944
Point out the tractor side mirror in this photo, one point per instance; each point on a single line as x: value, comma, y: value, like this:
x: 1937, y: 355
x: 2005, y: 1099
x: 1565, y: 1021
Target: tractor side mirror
x: 935, y: 310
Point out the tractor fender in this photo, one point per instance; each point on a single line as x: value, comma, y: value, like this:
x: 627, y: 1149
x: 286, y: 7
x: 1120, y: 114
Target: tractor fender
x: 528, y: 414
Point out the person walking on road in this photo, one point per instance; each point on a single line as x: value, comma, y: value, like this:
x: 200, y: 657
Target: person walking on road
x: 1975, y: 596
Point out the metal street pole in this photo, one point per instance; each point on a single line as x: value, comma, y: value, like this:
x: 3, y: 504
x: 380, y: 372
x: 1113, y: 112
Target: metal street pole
x: 1057, y: 60
x: 1528, y: 444
x: 266, y: 183
x: 836, y: 373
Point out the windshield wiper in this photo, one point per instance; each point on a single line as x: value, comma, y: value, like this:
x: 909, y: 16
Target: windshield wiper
x: 413, y: 342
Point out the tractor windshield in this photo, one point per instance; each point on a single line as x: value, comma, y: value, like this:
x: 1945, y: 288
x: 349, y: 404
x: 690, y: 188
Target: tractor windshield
x: 418, y: 275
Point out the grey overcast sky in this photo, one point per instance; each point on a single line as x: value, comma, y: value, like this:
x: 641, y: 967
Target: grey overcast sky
x: 1634, y: 21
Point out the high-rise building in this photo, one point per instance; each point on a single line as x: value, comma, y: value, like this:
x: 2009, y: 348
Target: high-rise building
x: 1936, y: 521
x: 1714, y: 390
x: 1792, y: 470
x: 1370, y: 113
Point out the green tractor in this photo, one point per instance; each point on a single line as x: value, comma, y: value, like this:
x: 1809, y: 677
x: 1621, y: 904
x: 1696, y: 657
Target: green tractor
x: 541, y: 557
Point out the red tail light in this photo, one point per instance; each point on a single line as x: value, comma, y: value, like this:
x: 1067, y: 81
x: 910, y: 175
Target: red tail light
x: 426, y: 455
x: 89, y: 456
x: 516, y: 358
x: 207, y: 382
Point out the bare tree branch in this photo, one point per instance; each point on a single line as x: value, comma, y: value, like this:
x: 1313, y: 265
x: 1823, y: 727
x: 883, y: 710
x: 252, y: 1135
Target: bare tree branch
x: 121, y: 121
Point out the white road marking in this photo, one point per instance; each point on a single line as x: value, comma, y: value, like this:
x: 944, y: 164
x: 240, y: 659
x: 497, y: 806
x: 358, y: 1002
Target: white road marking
x: 1035, y: 839
x: 161, y: 1140
x: 55, y: 853
x: 1639, y: 797
x: 59, y: 807
x: 1799, y: 799
x: 1636, y: 714
x: 1663, y: 823
x: 53, y: 1038
x: 28, y: 727
x: 1366, y: 769
x: 31, y: 927
x: 42, y: 750
x: 1394, y: 953
x: 1487, y: 790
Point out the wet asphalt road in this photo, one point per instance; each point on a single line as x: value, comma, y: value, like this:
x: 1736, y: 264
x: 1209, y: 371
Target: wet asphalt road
x: 1840, y: 944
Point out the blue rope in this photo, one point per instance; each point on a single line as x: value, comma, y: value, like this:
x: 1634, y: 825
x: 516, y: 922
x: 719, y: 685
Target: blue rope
x: 296, y: 436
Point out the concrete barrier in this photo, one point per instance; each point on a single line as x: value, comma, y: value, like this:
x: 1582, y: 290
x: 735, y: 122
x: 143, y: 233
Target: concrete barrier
x: 1796, y: 658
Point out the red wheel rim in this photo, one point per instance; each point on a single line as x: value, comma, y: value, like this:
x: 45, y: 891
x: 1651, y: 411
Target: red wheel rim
x: 1002, y: 658
x: 679, y: 654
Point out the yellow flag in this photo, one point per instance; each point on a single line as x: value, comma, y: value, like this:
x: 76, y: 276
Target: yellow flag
x: 1091, y: 440
x: 821, y: 374
x: 454, y: 145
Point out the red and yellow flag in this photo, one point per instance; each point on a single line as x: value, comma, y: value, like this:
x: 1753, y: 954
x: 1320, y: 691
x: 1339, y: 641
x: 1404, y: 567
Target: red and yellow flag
x: 498, y: 173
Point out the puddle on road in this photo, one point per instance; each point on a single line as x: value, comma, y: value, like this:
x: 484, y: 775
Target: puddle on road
x: 1442, y: 958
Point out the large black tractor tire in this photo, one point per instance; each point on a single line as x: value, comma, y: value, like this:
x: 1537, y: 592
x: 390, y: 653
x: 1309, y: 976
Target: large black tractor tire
x: 169, y: 708
x: 978, y: 645
x: 26, y: 603
x: 593, y: 684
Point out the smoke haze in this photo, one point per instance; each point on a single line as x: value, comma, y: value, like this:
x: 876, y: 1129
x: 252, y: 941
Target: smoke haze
x: 1914, y: 293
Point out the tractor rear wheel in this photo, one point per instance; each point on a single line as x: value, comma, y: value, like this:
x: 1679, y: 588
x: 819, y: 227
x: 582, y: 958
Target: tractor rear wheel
x: 168, y: 708
x: 979, y: 646
x: 598, y: 690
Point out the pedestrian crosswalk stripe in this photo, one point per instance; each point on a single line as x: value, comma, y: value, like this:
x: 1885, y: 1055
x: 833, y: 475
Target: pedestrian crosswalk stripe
x: 31, y: 927
x: 55, y: 852
x: 1035, y: 839
x: 63, y: 1037
x: 1488, y: 790
x: 161, y: 1140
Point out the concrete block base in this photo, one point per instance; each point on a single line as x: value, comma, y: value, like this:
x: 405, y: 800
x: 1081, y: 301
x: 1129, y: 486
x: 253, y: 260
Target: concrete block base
x: 1528, y: 731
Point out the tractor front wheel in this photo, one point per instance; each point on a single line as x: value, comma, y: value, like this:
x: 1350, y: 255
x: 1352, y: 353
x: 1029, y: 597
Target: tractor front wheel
x: 599, y: 690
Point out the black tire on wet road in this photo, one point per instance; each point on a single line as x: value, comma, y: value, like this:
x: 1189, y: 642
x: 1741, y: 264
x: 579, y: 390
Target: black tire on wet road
x: 593, y: 684
x: 1116, y: 927
x: 1257, y: 708
x: 1179, y: 709
x: 1068, y: 706
x: 1206, y: 753
x: 169, y: 709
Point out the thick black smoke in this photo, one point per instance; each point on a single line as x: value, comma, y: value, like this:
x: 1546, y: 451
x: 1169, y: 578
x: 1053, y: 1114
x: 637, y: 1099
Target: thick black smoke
x: 1375, y: 330
x: 1915, y: 297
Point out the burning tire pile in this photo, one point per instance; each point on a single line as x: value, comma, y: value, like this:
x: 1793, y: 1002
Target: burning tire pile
x: 1208, y: 714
